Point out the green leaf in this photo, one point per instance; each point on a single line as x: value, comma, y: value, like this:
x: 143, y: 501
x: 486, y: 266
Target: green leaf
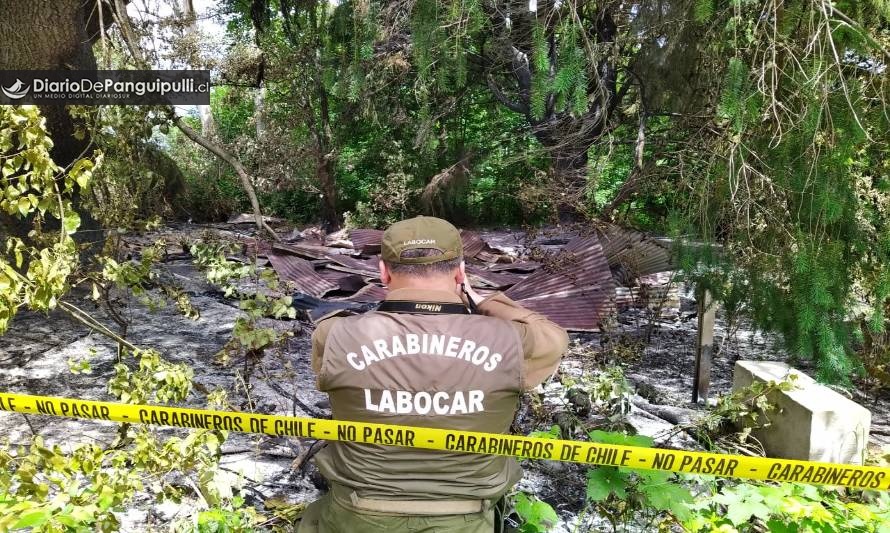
x: 72, y: 222
x: 742, y: 505
x: 782, y: 526
x: 536, y: 513
x: 24, y: 205
x: 32, y: 518
x: 620, y: 439
x: 669, y: 496
x: 603, y: 481
x: 552, y: 433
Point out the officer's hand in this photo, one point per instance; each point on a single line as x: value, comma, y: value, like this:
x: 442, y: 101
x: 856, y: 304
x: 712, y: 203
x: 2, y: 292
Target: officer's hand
x: 471, y: 293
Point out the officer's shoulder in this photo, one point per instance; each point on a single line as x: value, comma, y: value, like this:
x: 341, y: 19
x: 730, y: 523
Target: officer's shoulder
x: 326, y: 322
x: 340, y: 315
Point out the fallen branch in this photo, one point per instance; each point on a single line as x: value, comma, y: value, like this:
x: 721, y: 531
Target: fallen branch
x: 674, y: 415
x: 299, y: 464
x: 314, y: 413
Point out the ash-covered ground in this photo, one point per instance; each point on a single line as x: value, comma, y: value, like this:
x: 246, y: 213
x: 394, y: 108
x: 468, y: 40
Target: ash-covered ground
x: 34, y: 357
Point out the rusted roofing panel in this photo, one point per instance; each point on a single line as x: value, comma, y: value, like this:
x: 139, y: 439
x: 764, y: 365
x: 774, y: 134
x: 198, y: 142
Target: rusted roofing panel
x: 345, y: 281
x: 518, y: 266
x: 366, y: 241
x: 313, y: 235
x: 575, y: 285
x: 576, y: 313
x: 301, y: 273
x: 363, y: 267
x: 489, y: 257
x: 256, y: 246
x: 473, y: 243
x: 632, y: 253
x: 497, y: 280
x: 318, y: 308
x: 308, y: 251
x: 371, y: 293
x: 580, y: 265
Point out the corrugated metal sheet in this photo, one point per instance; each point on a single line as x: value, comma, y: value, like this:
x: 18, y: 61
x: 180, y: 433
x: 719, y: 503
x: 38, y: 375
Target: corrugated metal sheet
x: 345, y: 281
x: 518, y: 266
x: 371, y: 293
x: 301, y: 273
x: 473, y: 243
x: 313, y: 235
x: 490, y: 257
x: 632, y: 254
x: 366, y: 241
x: 497, y: 280
x: 256, y: 246
x: 363, y: 267
x: 577, y: 313
x: 309, y: 251
x: 575, y: 285
x: 317, y: 308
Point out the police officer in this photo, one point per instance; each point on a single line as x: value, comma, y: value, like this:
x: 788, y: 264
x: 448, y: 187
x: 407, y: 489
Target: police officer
x: 423, y: 359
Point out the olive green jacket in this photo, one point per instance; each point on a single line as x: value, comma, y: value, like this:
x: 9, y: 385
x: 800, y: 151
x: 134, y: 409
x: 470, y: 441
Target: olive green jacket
x: 462, y: 372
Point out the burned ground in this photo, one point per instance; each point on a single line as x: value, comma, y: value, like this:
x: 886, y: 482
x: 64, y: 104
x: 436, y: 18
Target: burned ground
x: 35, y: 353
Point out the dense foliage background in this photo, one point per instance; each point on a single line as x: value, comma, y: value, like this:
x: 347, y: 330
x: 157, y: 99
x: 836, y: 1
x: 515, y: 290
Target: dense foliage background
x: 754, y: 133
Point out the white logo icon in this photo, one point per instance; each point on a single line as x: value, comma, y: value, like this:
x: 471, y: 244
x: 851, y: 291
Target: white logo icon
x: 18, y: 90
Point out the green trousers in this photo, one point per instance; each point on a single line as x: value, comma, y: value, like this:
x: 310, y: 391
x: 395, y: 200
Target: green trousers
x: 330, y: 515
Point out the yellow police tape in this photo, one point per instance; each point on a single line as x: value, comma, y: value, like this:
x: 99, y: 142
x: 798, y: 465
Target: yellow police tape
x: 734, y: 466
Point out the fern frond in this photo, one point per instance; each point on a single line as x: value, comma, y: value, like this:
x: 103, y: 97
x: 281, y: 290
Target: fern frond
x: 540, y: 50
x: 579, y: 95
x: 538, y: 98
x: 703, y: 10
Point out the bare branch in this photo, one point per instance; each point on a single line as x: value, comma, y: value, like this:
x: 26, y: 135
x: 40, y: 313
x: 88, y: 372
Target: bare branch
x: 502, y: 98
x: 223, y: 154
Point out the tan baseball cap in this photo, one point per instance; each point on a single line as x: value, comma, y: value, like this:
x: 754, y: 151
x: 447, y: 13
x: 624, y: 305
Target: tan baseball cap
x: 421, y: 232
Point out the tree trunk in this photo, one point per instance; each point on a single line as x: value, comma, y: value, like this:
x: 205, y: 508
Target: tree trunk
x: 187, y: 7
x: 325, y: 174
x: 52, y: 36
x: 323, y: 135
x: 567, y: 140
x: 259, y: 110
x: 569, y: 176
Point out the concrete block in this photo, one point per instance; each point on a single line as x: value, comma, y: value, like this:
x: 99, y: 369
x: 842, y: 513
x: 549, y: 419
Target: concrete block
x: 814, y: 422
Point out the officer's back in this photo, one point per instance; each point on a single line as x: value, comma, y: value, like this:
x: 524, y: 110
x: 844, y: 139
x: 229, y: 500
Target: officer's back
x: 423, y: 359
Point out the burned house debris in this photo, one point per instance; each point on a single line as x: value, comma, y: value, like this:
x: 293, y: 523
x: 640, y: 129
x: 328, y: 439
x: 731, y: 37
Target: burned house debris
x: 575, y: 279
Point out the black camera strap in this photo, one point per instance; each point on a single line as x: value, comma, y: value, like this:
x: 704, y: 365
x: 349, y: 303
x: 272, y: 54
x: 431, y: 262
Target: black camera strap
x: 423, y: 308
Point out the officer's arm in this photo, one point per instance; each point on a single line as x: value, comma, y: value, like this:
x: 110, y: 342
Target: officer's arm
x: 543, y: 342
x: 319, y: 337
